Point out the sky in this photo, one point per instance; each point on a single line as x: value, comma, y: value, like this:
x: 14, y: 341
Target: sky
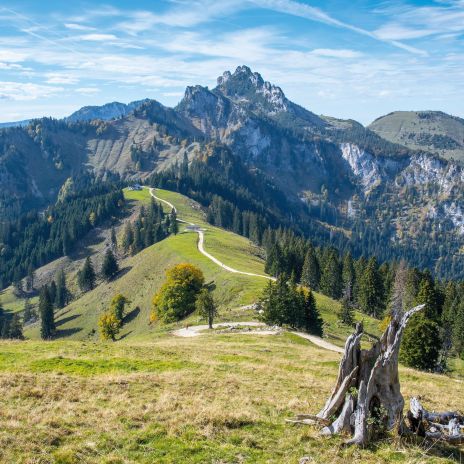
x: 356, y: 59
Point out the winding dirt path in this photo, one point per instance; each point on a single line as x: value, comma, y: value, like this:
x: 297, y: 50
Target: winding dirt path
x: 195, y: 331
x: 201, y: 245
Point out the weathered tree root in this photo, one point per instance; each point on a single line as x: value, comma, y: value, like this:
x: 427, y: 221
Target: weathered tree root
x: 444, y: 426
x: 366, y: 399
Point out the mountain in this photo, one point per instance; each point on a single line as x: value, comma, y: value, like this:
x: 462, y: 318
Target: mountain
x: 105, y: 112
x: 337, y: 180
x: 87, y: 113
x: 4, y: 125
x: 433, y: 131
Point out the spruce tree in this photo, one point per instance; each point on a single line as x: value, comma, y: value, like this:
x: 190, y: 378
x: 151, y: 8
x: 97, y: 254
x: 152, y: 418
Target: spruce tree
x: 109, y: 266
x: 427, y: 295
x: 370, y: 296
x: 346, y: 312
x: 62, y: 294
x: 128, y: 237
x: 113, y: 238
x: 313, y: 322
x: 174, y: 226
x: 331, y: 278
x: 421, y: 343
x: 47, y: 318
x: 311, y: 274
x: 52, y: 291
x: 458, y: 331
x: 16, y: 328
x: 348, y: 275
x: 86, y: 277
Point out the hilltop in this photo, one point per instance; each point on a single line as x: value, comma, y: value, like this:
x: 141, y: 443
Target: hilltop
x: 432, y: 131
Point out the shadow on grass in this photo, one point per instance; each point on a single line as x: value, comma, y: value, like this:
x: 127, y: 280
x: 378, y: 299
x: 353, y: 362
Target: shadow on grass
x: 67, y: 319
x: 67, y: 332
x: 122, y: 272
x: 122, y: 337
x: 132, y: 315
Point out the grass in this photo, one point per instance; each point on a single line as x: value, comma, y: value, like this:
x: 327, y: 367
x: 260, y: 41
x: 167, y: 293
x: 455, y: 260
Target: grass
x: 12, y: 303
x: 214, y: 399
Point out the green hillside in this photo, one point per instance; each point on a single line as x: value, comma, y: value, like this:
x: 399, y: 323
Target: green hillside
x: 432, y: 131
x: 141, y: 276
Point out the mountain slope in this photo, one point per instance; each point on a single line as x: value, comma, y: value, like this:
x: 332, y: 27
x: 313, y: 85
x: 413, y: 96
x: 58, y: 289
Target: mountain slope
x: 330, y: 174
x: 432, y: 131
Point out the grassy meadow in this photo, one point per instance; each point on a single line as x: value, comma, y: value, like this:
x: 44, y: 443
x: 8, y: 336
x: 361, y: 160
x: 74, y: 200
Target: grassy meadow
x: 213, y: 399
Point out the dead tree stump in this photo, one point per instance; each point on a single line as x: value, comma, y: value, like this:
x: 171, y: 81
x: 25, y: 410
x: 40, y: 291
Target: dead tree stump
x: 366, y: 399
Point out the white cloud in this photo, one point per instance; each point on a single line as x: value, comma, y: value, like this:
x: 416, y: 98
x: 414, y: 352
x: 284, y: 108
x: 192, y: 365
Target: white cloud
x: 97, y: 37
x: 88, y: 90
x: 17, y: 91
x: 61, y: 78
x: 336, y: 53
x: 78, y: 27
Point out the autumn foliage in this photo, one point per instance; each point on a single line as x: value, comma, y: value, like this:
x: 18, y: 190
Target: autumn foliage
x: 176, y: 298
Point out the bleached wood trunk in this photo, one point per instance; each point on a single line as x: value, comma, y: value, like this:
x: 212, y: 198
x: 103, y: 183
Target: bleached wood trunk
x: 367, y: 398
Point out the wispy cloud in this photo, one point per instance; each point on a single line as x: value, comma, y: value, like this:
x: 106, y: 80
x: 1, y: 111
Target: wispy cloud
x: 78, y: 27
x: 306, y: 11
x: 17, y: 91
x: 412, y: 22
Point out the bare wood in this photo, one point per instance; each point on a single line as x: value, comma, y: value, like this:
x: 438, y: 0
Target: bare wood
x: 374, y: 373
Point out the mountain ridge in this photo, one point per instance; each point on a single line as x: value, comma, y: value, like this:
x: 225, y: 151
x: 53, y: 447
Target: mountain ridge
x: 340, y: 172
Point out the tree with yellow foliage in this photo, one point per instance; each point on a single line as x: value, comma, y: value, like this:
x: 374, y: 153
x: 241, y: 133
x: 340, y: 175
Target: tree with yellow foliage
x: 109, y: 325
x: 176, y: 298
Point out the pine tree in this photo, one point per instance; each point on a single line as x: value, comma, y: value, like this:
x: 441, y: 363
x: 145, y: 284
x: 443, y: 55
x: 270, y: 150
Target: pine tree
x: 458, y: 331
x: 47, y: 318
x: 86, y: 276
x: 52, y: 291
x: 206, y: 306
x: 16, y: 328
x: 346, y: 312
x: 128, y: 237
x: 174, y: 226
x: 348, y: 275
x: 62, y: 294
x: 370, y: 296
x: 427, y: 295
x: 313, y: 322
x: 421, y: 343
x: 109, y: 266
x: 311, y: 274
x: 331, y: 278
x: 113, y: 238
x: 66, y: 243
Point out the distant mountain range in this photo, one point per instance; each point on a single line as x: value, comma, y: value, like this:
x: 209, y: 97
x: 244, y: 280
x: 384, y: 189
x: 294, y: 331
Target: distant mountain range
x: 378, y: 197
x: 87, y: 113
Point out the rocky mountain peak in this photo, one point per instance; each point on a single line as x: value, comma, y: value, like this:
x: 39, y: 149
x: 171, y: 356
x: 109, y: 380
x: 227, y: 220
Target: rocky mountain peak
x: 246, y: 86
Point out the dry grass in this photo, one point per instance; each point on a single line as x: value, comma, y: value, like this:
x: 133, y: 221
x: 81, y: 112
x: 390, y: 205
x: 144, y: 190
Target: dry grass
x: 214, y: 399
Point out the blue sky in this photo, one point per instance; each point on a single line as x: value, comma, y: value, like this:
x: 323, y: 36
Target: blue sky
x: 358, y: 59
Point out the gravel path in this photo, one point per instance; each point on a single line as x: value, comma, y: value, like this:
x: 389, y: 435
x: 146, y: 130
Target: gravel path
x: 196, y: 330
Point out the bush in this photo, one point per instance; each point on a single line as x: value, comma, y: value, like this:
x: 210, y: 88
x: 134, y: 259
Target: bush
x: 176, y: 298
